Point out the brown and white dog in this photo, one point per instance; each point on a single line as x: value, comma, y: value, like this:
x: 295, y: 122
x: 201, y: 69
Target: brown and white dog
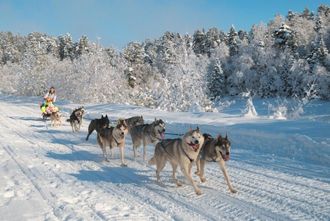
x: 55, y: 119
x: 113, y: 137
x: 214, y: 150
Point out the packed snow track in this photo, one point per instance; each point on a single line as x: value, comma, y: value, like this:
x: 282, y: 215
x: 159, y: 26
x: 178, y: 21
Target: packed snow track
x: 54, y: 174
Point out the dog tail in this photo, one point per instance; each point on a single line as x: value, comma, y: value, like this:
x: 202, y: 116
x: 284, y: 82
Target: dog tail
x: 152, y: 161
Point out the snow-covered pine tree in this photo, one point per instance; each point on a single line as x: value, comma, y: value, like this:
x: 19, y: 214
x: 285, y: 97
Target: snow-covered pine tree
x: 82, y: 46
x: 12, y: 47
x: 233, y: 41
x: 199, y: 42
x: 302, y: 25
x: 216, y: 80
x: 66, y: 48
x: 323, y: 14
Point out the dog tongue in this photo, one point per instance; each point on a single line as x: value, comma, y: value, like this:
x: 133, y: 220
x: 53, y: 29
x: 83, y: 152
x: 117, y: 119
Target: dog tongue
x: 162, y: 135
x: 196, y: 147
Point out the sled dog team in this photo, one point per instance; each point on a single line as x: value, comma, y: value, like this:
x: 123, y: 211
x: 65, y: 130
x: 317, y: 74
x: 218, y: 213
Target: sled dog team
x: 193, y: 147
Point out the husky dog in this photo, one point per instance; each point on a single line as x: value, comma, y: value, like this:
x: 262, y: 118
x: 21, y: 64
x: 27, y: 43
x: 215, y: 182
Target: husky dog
x: 76, y: 118
x: 181, y: 151
x: 216, y: 150
x: 134, y: 121
x: 55, y: 119
x: 98, y: 124
x: 148, y: 133
x: 112, y: 137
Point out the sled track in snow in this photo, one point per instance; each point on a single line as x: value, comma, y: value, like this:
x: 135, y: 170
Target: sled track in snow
x: 262, y: 194
x: 172, y: 202
x: 35, y: 174
x: 31, y: 176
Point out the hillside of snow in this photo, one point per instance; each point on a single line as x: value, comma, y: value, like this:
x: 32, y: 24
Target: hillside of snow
x: 280, y: 167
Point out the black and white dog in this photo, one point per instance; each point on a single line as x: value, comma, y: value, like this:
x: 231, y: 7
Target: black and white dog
x: 76, y: 118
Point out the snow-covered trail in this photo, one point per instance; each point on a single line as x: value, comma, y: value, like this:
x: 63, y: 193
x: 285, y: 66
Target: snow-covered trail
x: 56, y: 175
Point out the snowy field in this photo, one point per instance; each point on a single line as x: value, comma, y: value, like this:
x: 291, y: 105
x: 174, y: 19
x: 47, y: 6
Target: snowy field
x: 281, y: 168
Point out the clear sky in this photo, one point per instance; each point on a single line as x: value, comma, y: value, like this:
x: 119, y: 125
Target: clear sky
x: 118, y: 22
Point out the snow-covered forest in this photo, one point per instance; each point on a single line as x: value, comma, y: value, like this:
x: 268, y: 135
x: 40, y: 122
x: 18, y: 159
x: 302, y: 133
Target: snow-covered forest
x: 288, y: 57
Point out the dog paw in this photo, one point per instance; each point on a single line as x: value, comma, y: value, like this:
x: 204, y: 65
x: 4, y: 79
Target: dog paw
x: 232, y: 190
x: 178, y: 184
x: 123, y: 165
x: 106, y: 160
x: 197, y: 172
x: 203, y: 179
x: 198, y: 192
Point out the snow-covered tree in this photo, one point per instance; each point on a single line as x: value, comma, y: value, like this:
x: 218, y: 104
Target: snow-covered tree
x: 66, y: 48
x: 233, y: 41
x: 216, y: 80
x: 177, y: 72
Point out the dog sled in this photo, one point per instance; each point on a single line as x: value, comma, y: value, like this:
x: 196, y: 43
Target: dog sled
x: 47, y: 108
x: 50, y: 111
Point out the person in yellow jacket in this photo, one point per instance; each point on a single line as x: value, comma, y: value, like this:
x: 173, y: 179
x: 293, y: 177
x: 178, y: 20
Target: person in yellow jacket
x: 50, y: 97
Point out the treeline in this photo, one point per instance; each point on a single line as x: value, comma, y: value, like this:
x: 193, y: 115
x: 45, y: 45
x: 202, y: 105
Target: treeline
x: 177, y: 72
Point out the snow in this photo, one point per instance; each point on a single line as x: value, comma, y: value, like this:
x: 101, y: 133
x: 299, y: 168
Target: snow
x: 279, y: 167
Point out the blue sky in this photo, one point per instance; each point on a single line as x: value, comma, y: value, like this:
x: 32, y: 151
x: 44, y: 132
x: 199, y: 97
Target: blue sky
x: 118, y: 22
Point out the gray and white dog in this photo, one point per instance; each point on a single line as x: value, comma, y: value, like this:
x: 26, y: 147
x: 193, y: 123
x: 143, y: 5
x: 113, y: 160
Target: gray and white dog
x: 147, y: 133
x: 214, y: 150
x: 113, y: 137
x: 134, y: 121
x: 76, y: 118
x: 179, y: 152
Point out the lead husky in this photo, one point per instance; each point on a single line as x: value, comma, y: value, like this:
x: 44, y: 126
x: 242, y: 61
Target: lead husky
x: 181, y: 151
x: 76, y: 118
x: 112, y: 137
x: 147, y: 133
x: 216, y: 150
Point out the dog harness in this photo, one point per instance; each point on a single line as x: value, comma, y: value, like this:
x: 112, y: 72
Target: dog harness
x: 153, y: 135
x: 164, y: 148
x: 115, y: 139
x: 191, y: 160
x: 202, y: 154
x: 208, y: 159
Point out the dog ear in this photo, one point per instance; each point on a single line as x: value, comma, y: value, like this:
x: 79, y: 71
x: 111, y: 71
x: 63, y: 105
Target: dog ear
x: 219, y: 137
x: 102, y: 116
x: 197, y: 129
x: 226, y: 136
